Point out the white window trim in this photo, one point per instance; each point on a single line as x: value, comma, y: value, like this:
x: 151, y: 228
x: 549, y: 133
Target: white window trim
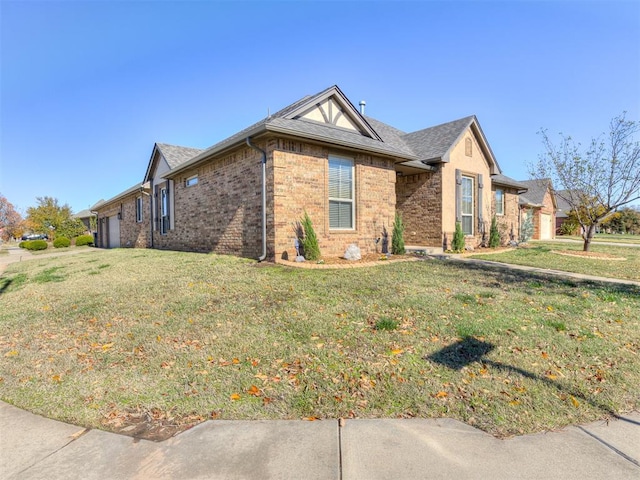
x: 164, y: 210
x: 473, y: 204
x: 139, y: 209
x: 191, y: 181
x: 351, y: 200
x: 501, y: 204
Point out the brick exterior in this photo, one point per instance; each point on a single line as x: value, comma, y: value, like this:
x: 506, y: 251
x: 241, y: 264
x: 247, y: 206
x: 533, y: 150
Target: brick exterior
x: 419, y: 201
x: 132, y: 233
x: 222, y: 212
x: 300, y: 174
x: 509, y: 223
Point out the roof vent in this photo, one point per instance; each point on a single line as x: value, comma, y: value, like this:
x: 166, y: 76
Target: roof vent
x: 362, y: 105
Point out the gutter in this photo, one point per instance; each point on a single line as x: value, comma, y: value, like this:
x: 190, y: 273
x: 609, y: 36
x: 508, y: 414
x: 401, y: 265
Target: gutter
x: 264, y: 198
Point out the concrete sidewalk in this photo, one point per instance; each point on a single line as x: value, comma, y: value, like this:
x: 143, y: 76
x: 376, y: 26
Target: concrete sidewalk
x: 33, y: 447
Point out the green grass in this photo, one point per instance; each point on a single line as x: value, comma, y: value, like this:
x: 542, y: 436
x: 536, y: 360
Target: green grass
x: 190, y: 336
x: 539, y: 254
x: 606, y: 237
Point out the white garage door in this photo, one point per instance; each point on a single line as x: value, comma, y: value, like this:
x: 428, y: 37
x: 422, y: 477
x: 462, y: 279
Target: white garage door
x: 545, y: 227
x: 114, y: 232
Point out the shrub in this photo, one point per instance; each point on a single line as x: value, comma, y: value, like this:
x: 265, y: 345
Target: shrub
x: 568, y: 227
x: 61, y: 242
x: 84, y: 240
x: 22, y: 244
x: 457, y: 244
x: 494, y: 234
x: 526, y: 230
x: 36, y: 245
x: 397, y: 238
x: 310, y: 241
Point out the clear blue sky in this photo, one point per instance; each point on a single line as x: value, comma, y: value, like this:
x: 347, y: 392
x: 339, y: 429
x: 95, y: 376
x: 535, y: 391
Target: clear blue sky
x: 87, y: 87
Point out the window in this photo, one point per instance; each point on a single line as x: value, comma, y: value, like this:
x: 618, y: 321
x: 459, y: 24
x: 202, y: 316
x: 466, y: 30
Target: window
x: 191, y: 181
x: 164, y: 211
x: 139, y: 209
x: 467, y: 205
x: 499, y: 201
x: 341, y: 193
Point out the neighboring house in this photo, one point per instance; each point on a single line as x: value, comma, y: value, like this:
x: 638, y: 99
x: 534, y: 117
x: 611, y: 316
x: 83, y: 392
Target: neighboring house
x: 350, y: 173
x: 562, y: 212
x: 85, y: 217
x: 540, y: 201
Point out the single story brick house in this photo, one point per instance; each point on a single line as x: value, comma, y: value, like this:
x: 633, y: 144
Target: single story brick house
x: 540, y: 202
x: 349, y: 172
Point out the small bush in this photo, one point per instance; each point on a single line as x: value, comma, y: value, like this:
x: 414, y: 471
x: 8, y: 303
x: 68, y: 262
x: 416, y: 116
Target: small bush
x: 397, y: 237
x: 84, y: 240
x: 494, y: 234
x: 457, y: 244
x: 310, y: 241
x: 61, y: 242
x: 22, y: 244
x: 36, y: 245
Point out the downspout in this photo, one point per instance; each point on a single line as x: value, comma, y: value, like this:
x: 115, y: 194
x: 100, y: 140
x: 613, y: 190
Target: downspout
x: 264, y: 199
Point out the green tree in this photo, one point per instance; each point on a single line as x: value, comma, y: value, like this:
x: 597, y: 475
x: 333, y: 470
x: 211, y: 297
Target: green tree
x: 595, y: 181
x: 397, y: 236
x: 310, y: 241
x: 51, y: 218
x: 526, y: 229
x: 494, y: 234
x: 457, y: 244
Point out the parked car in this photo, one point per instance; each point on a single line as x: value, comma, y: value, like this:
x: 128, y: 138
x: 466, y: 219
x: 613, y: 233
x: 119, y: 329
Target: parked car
x: 35, y: 236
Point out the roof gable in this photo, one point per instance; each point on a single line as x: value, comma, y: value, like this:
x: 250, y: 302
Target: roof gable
x: 172, y: 155
x: 434, y: 144
x: 536, y: 191
x: 331, y: 107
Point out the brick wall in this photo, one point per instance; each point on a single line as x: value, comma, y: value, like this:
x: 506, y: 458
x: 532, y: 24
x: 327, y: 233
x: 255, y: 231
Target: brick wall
x: 508, y: 224
x: 419, y: 201
x: 298, y: 175
x: 132, y: 233
x: 222, y: 212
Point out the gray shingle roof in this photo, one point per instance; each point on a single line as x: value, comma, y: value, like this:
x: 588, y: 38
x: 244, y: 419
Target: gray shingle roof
x: 536, y: 190
x: 500, y: 179
x: 563, y: 207
x: 176, y: 155
x: 434, y: 142
x: 430, y: 144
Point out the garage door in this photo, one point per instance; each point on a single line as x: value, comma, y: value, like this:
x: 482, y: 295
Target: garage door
x: 545, y: 227
x: 114, y: 232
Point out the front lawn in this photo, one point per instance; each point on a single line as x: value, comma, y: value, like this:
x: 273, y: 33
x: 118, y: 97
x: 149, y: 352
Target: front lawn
x: 606, y: 237
x: 541, y: 254
x: 151, y: 337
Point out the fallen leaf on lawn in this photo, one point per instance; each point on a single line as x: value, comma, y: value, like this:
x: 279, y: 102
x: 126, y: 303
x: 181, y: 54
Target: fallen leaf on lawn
x: 107, y: 346
x: 235, y: 396
x: 311, y: 419
x: 513, y: 403
x: 253, y: 390
x: 11, y: 353
x: 266, y: 400
x: 551, y: 376
x: 575, y: 402
x: 545, y: 355
x: 55, y: 378
x: 397, y: 351
x: 235, y: 361
x: 442, y: 394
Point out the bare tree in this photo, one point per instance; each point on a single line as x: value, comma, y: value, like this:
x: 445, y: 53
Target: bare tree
x: 597, y: 180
